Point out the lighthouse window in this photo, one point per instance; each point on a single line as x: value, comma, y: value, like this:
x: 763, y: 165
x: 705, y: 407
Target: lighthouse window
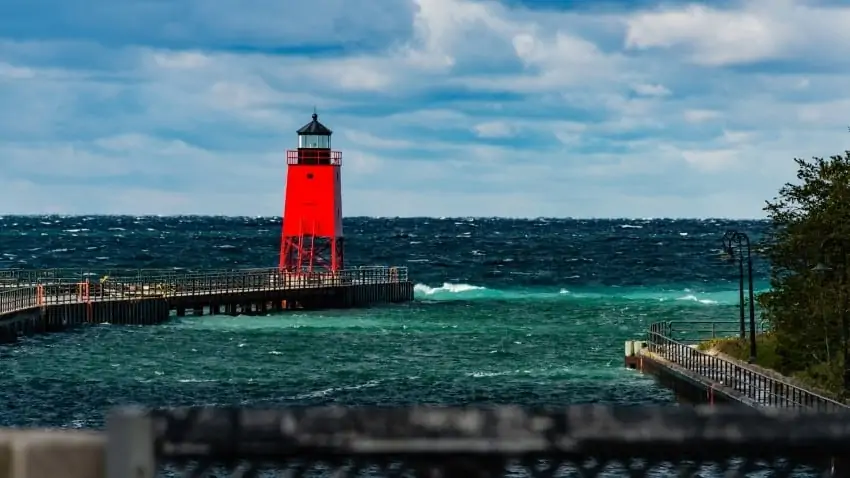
x: 314, y: 141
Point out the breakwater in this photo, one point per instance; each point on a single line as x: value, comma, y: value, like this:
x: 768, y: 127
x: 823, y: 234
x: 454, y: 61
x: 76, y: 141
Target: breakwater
x: 53, y: 300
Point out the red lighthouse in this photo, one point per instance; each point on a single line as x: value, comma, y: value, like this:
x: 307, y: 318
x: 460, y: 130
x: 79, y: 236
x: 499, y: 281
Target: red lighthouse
x: 312, y: 214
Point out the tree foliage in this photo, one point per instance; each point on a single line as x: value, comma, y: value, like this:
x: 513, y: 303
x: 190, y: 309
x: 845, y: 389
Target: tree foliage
x: 803, y: 305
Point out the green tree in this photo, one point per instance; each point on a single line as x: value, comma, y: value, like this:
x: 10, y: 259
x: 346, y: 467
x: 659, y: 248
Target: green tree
x: 802, y: 307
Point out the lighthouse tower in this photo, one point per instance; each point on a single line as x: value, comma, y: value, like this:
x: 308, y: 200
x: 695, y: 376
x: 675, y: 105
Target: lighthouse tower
x: 312, y: 214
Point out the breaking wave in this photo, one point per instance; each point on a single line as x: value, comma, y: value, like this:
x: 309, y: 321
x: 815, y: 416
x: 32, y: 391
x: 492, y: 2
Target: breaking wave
x: 457, y: 291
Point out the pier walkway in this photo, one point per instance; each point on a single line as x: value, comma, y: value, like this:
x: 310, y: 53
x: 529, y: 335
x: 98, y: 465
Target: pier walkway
x: 57, y: 298
x: 723, y: 379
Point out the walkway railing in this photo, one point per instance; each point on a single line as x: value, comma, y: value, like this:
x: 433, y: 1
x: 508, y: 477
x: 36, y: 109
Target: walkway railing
x: 476, y: 442
x: 36, y: 276
x: 23, y: 298
x: 40, y: 276
x: 696, y: 331
x: 762, y: 389
x: 38, y: 288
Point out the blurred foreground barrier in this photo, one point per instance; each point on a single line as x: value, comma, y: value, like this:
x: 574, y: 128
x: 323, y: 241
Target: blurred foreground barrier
x: 447, y: 442
x: 477, y: 442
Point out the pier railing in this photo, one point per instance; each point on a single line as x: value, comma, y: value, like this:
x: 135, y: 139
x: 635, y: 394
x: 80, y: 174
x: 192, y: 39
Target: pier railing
x: 762, y: 389
x: 38, y: 288
x: 23, y: 298
x: 42, y: 276
x: 591, y: 440
x: 696, y: 331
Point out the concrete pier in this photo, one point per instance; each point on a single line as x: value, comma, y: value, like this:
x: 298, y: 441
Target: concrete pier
x: 44, y: 301
x: 696, y: 376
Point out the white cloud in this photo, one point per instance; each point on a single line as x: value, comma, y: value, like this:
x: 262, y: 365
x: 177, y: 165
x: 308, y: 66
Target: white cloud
x: 181, y: 60
x: 568, y: 132
x: 714, y: 37
x: 753, y: 32
x: 494, y: 129
x: 700, y: 116
x: 738, y: 137
x: 442, y: 29
x: 651, y: 90
x: 369, y: 140
x: 712, y: 161
x: 826, y: 113
x: 361, y: 164
x: 11, y: 72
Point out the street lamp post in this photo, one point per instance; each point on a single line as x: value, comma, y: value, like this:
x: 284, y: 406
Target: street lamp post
x: 823, y: 267
x: 729, y: 253
x: 741, y: 241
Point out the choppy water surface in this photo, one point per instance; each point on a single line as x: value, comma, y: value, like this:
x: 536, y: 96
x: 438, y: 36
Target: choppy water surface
x: 524, y: 311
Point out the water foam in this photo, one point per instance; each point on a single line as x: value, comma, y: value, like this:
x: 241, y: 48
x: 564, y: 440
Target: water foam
x: 446, y: 287
x: 460, y: 291
x: 333, y: 390
x: 455, y: 291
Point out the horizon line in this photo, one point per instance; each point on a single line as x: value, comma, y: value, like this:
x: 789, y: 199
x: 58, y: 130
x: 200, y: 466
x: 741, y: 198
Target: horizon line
x: 527, y: 218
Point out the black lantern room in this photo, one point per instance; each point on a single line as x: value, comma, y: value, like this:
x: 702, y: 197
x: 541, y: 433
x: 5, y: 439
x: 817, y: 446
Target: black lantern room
x: 314, y: 143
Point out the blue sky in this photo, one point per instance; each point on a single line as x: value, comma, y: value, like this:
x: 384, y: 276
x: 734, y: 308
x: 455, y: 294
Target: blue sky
x: 440, y: 107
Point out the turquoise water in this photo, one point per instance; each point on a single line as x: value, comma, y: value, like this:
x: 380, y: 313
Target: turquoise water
x: 532, y: 312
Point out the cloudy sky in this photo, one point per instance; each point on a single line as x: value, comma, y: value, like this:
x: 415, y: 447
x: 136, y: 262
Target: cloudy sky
x: 517, y: 108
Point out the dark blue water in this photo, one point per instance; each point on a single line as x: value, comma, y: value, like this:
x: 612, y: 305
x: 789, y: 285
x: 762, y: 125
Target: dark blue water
x: 524, y: 311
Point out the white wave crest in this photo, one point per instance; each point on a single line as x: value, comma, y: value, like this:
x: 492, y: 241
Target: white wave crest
x: 459, y: 291
x: 694, y: 298
x: 447, y: 287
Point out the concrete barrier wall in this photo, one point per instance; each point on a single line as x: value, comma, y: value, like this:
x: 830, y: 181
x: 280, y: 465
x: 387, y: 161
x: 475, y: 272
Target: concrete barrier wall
x: 52, y: 453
